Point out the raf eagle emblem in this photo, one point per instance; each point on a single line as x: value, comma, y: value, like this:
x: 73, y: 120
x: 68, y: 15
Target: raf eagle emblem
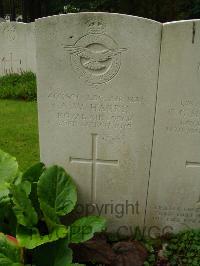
x: 94, y: 60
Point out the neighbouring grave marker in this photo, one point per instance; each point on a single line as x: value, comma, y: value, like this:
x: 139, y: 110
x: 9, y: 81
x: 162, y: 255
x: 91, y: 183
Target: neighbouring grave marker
x: 2, y: 19
x: 17, y: 48
x: 97, y: 81
x: 31, y: 47
x: 174, y: 192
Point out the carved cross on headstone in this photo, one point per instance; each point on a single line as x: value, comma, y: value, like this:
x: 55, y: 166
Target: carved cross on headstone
x: 94, y: 161
x: 193, y: 165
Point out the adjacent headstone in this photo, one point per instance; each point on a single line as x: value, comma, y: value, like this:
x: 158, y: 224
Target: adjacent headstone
x: 97, y: 80
x: 17, y: 48
x: 19, y: 18
x: 12, y: 52
x: 31, y: 47
x: 174, y: 192
x: 7, y: 17
x: 2, y: 19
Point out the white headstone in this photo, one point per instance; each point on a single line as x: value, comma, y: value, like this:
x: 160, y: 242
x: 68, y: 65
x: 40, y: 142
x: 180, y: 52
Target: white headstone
x: 16, y: 55
x: 97, y: 80
x: 174, y: 192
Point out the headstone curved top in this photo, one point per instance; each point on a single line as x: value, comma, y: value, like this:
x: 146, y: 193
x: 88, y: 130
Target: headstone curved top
x: 97, y: 81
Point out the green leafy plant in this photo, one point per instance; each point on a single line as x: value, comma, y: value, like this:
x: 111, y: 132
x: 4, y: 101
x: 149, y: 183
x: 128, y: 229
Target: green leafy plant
x: 18, y: 86
x: 34, y: 202
x: 151, y: 255
x: 184, y: 248
x: 10, y: 252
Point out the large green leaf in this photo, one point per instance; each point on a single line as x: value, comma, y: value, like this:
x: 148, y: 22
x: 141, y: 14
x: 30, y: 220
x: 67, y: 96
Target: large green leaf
x: 31, y: 238
x: 9, y: 173
x: 26, y: 186
x: 63, y: 254
x: 8, y: 167
x: 23, y: 209
x: 8, y: 221
x: 10, y: 254
x: 84, y: 228
x: 4, y: 198
x: 4, y: 194
x: 56, y: 192
x: 53, y: 254
x: 32, y: 175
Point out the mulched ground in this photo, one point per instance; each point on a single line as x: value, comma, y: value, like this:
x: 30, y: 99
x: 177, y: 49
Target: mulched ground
x: 122, y: 253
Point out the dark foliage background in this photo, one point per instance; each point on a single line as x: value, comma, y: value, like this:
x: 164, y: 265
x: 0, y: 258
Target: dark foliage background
x: 160, y: 10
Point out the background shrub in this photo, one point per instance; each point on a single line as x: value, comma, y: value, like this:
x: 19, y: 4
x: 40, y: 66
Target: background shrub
x: 18, y: 86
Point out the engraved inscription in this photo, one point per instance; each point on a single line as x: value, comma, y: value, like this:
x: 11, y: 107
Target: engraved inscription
x: 94, y: 161
x: 184, y: 117
x: 176, y: 214
x: 94, y: 111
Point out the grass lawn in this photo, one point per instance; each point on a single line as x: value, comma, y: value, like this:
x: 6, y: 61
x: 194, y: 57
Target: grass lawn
x: 19, y: 131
